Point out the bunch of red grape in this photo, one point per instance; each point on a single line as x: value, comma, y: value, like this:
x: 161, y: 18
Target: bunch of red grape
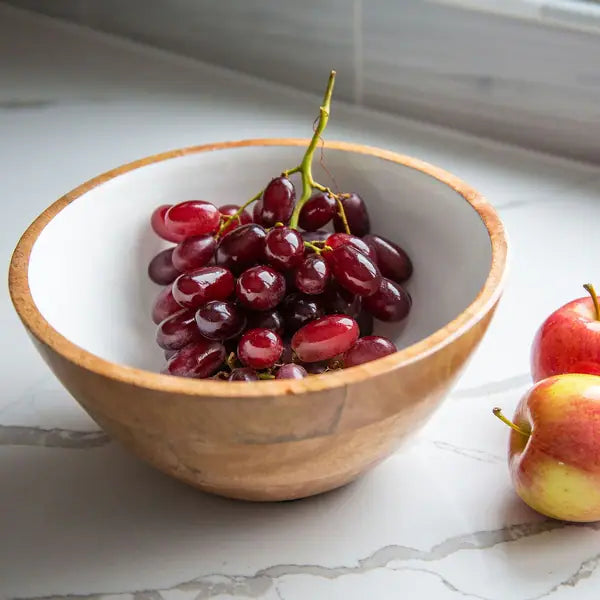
x: 253, y: 297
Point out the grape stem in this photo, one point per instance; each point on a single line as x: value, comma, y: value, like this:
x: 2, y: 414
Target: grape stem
x: 237, y: 214
x: 305, y: 170
x: 305, y: 167
x: 266, y: 376
x: 315, y: 248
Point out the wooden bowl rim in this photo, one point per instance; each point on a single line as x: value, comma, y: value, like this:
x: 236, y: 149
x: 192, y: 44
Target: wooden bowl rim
x: 47, y: 335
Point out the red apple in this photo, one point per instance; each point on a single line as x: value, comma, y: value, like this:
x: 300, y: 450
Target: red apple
x: 568, y: 341
x: 554, y: 447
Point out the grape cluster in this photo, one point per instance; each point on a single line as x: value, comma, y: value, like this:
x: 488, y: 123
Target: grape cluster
x: 272, y: 295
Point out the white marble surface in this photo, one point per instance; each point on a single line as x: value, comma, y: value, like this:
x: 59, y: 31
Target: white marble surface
x: 81, y: 518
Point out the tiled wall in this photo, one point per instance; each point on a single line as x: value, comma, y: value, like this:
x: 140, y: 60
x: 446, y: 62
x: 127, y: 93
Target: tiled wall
x: 516, y: 80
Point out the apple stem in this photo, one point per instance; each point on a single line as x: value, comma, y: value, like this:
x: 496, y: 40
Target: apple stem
x: 498, y: 412
x: 589, y: 288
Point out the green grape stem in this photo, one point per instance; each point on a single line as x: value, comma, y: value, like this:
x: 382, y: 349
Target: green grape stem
x: 305, y: 170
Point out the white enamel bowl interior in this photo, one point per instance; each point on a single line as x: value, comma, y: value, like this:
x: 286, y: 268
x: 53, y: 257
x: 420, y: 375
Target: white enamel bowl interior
x: 88, y: 268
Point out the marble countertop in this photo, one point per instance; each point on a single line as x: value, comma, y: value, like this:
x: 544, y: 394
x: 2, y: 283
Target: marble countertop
x: 79, y: 517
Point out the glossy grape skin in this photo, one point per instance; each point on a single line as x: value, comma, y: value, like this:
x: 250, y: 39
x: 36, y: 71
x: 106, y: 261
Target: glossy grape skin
x: 365, y: 323
x: 191, y: 290
x: 278, y: 201
x: 164, y: 305
x: 325, y: 338
x: 284, y: 248
x: 267, y: 319
x: 241, y: 248
x: 353, y: 270
x: 391, y: 302
x: 194, y: 252
x: 177, y: 331
x: 220, y: 320
x: 193, y: 217
x: 368, y: 348
x: 298, y: 310
x: 199, y: 359
x: 161, y: 269
x: 243, y: 374
x: 312, y: 275
x: 257, y: 211
x: 340, y: 239
x: 259, y: 348
x: 291, y: 371
x: 260, y: 288
x: 393, y: 262
x: 242, y: 219
x: 157, y: 222
x: 338, y: 300
x: 318, y: 210
x: 356, y: 215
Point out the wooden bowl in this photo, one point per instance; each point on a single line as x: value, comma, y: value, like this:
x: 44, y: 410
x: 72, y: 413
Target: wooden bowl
x: 78, y: 282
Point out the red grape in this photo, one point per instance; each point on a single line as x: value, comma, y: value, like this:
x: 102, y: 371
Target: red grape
x: 164, y: 305
x: 219, y: 320
x: 157, y: 221
x: 325, y: 338
x: 267, y: 319
x: 243, y: 374
x: 242, y: 219
x: 257, y: 212
x: 353, y: 270
x: 316, y: 368
x: 312, y: 275
x: 391, y: 302
x: 287, y: 356
x: 278, y: 201
x: 341, y: 239
x: 177, y: 331
x: 338, y: 300
x: 260, y: 288
x: 318, y: 210
x: 242, y: 247
x: 259, y: 348
x: 161, y: 269
x: 291, y: 371
x: 191, y: 290
x: 284, y: 248
x: 368, y: 348
x: 298, y: 310
x: 365, y: 323
x: 199, y: 359
x: 194, y: 252
x: 356, y: 215
x: 193, y: 217
x: 392, y: 261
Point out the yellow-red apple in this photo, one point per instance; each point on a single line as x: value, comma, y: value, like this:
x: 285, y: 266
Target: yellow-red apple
x: 554, y: 447
x: 568, y: 341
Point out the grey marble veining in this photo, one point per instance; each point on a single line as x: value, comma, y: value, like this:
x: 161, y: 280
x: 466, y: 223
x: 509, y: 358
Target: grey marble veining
x: 213, y: 585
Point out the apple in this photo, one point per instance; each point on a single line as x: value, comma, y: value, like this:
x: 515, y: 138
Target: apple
x: 554, y: 447
x: 568, y: 341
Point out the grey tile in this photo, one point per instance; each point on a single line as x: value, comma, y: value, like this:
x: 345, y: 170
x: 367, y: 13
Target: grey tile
x: 287, y: 41
x: 511, y: 80
x: 72, y: 10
